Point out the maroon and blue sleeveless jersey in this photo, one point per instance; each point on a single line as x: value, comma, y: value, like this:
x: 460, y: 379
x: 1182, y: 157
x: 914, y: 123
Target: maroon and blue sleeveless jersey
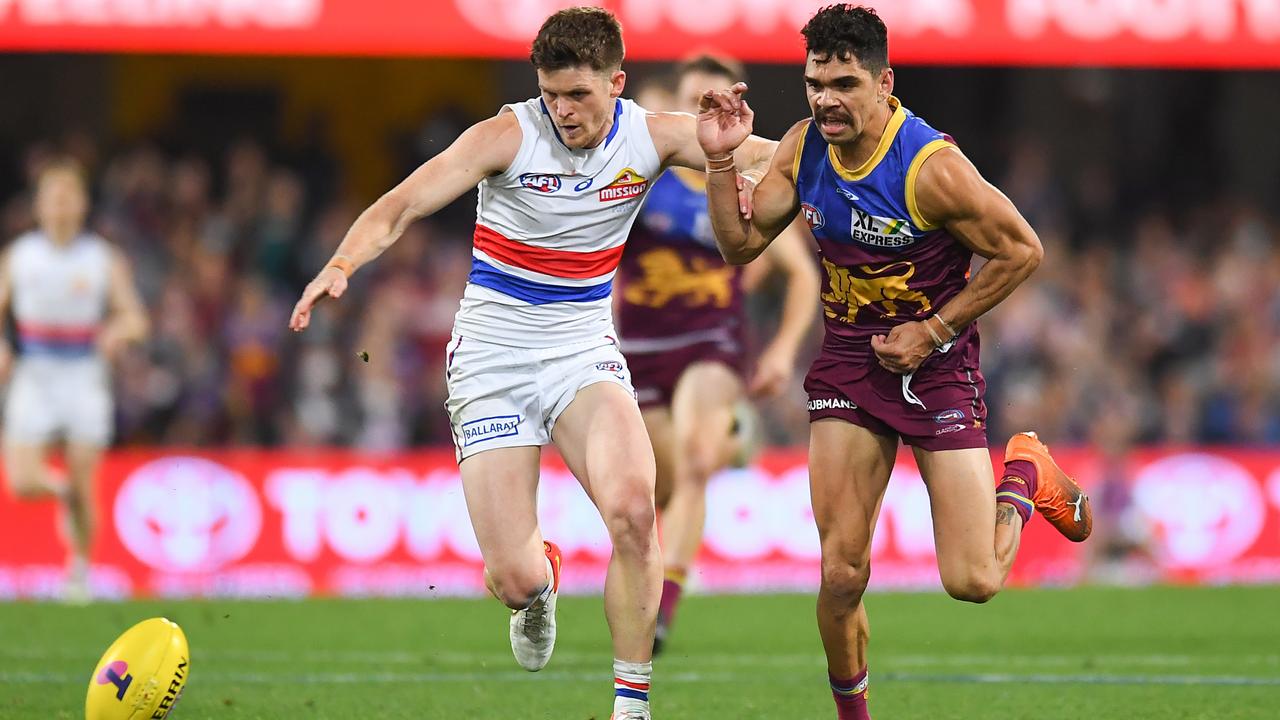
x: 882, y: 263
x: 674, y: 289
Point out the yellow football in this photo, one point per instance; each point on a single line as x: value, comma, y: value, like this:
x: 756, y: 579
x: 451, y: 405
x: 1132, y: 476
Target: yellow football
x: 142, y: 674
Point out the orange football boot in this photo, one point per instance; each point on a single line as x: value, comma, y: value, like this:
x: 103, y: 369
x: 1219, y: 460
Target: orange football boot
x: 1058, y: 498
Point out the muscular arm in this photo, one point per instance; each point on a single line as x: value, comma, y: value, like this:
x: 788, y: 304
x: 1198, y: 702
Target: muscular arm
x: 952, y: 193
x: 486, y: 148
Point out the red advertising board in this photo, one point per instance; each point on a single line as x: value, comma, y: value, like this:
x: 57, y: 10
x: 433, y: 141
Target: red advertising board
x: 331, y: 523
x: 1179, y: 33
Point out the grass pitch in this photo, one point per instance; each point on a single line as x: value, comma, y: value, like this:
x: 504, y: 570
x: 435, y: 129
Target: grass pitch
x: 1043, y: 654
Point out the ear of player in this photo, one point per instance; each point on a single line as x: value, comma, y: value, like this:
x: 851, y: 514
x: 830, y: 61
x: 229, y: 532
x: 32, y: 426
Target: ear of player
x: 142, y: 674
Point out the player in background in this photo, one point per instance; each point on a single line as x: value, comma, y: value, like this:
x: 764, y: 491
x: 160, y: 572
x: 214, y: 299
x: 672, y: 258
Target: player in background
x: 76, y: 307
x: 898, y: 212
x: 682, y: 317
x: 656, y: 93
x: 534, y: 358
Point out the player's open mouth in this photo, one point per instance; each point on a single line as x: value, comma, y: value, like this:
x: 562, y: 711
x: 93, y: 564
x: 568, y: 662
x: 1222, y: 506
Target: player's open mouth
x: 569, y: 129
x: 832, y: 125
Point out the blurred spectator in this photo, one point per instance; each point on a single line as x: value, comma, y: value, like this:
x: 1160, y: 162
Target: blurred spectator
x: 1121, y: 549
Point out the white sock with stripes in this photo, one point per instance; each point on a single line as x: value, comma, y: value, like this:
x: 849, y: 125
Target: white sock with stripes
x: 631, y: 687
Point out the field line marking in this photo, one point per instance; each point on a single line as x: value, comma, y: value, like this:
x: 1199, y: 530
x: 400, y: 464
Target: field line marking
x: 386, y: 678
x: 814, y: 659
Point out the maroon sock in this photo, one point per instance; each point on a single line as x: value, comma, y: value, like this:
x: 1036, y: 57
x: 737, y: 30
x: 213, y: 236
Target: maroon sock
x: 851, y: 696
x: 1018, y: 487
x: 667, y: 605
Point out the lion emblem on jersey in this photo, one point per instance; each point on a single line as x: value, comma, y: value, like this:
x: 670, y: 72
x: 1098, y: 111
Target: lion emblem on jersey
x: 884, y: 287
x: 667, y: 277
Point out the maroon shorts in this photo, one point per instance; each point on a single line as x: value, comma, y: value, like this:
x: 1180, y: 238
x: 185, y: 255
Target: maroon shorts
x: 654, y: 375
x: 939, y: 409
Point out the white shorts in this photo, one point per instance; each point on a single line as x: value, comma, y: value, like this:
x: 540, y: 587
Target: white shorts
x: 52, y: 399
x: 502, y: 396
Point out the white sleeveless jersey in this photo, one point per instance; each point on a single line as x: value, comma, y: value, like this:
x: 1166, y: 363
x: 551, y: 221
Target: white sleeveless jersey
x: 550, y: 232
x: 59, y: 294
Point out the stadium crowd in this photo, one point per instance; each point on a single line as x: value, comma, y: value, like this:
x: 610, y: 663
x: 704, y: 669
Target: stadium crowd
x: 1161, y: 325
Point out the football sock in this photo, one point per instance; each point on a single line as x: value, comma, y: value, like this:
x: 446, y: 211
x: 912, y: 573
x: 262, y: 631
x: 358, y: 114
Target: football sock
x: 631, y: 685
x: 672, y: 586
x: 1018, y: 487
x: 851, y: 696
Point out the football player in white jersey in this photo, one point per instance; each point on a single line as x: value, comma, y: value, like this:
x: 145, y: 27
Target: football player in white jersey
x: 76, y: 307
x: 534, y: 358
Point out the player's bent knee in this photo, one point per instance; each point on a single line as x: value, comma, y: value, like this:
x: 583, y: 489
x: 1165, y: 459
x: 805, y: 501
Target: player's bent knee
x: 844, y: 581
x: 517, y: 588
x: 974, y: 588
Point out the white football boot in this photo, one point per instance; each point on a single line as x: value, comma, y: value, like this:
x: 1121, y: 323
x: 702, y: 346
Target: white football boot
x: 533, y: 630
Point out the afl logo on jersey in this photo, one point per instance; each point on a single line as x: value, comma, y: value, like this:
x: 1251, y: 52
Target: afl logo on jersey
x: 627, y: 185
x: 541, y: 183
x: 812, y: 216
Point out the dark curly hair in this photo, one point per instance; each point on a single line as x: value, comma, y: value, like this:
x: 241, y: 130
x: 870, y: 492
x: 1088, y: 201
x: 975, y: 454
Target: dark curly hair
x: 847, y: 31
x: 579, y: 36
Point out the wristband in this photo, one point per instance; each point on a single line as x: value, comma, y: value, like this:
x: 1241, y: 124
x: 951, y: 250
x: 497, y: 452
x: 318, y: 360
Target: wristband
x: 721, y: 164
x: 946, y: 327
x: 937, y: 341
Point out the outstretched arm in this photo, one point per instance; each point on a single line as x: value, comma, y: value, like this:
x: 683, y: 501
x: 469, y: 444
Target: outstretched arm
x: 951, y: 193
x: 789, y: 254
x: 486, y: 148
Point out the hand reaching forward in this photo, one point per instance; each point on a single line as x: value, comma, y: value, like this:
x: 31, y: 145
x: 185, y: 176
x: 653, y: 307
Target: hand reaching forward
x: 331, y: 282
x: 724, y: 120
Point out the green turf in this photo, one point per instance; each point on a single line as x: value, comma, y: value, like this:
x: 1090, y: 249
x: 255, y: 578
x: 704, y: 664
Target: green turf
x: 1093, y: 653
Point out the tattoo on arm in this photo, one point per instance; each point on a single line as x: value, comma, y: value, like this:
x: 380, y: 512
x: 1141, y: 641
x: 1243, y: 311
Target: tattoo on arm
x: 1005, y: 514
